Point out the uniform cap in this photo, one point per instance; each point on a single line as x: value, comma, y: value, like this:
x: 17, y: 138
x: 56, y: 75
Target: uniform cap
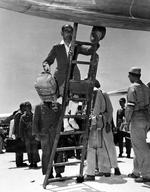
x: 135, y: 70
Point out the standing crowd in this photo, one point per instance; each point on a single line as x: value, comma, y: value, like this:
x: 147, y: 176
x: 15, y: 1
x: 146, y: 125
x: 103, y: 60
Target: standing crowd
x: 132, y: 119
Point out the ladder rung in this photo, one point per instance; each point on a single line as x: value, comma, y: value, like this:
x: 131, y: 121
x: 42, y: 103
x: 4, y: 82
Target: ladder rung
x: 61, y: 178
x: 66, y: 163
x: 69, y: 148
x: 81, y: 62
x: 83, y: 43
x: 77, y: 99
x: 72, y: 132
x: 74, y: 116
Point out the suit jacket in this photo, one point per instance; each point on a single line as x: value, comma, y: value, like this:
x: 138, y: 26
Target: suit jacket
x: 58, y: 52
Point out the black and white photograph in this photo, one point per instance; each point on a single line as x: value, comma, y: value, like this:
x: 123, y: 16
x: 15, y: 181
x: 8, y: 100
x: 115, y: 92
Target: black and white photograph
x: 75, y: 95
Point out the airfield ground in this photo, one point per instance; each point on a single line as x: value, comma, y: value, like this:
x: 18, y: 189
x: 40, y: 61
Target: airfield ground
x: 14, y: 179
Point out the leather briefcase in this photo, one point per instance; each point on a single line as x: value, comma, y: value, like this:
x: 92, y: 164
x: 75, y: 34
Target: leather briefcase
x: 15, y: 145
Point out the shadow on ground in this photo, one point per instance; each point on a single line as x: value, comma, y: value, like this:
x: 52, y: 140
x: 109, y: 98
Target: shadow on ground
x: 88, y: 186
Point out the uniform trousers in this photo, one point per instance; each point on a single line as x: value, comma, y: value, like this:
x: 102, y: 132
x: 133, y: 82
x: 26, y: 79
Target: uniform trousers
x: 139, y: 128
x: 126, y: 135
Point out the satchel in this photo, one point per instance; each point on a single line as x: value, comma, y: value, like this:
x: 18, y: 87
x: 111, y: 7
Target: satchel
x: 95, y: 138
x: 100, y: 121
x: 46, y: 87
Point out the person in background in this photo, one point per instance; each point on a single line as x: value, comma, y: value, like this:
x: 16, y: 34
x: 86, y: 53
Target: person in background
x: 26, y: 135
x: 137, y: 115
x: 121, y: 131
x: 11, y: 126
x: 45, y: 120
x: 1, y: 140
x: 19, y: 155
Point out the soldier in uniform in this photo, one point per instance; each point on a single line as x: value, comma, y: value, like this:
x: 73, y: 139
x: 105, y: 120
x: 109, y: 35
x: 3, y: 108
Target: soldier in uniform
x: 137, y: 115
x: 122, y: 133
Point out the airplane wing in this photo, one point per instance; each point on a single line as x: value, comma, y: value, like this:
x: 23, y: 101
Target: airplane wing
x: 126, y: 14
x: 118, y: 92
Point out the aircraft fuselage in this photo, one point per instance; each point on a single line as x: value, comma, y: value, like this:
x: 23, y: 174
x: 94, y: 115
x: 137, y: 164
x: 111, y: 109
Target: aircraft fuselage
x: 126, y: 14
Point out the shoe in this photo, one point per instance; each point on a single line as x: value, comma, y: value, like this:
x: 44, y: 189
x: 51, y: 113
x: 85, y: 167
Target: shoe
x: 67, y: 127
x: 89, y: 178
x: 34, y: 165
x: 100, y: 174
x: 59, y: 175
x: 128, y: 156
x: 142, y: 180
x: 51, y: 176
x: 132, y: 175
x: 117, y: 171
x: 73, y: 124
x: 22, y: 165
x: 120, y: 155
x: 107, y: 174
x: 31, y: 165
x: 96, y: 172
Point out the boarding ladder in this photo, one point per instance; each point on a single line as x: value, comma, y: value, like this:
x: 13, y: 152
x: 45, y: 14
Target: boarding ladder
x: 71, y: 88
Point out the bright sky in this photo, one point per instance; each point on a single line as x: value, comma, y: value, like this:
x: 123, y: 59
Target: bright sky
x: 25, y: 41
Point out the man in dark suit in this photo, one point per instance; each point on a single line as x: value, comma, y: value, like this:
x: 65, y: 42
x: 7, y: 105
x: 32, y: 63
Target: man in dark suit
x: 60, y: 52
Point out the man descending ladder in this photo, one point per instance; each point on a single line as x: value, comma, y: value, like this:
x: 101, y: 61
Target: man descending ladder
x: 78, y: 91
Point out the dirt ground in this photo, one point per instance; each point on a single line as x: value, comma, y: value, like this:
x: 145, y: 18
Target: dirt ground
x: 14, y: 179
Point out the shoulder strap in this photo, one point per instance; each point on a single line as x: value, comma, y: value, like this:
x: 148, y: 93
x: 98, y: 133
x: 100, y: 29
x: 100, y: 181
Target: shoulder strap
x: 94, y: 98
x: 105, y: 102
